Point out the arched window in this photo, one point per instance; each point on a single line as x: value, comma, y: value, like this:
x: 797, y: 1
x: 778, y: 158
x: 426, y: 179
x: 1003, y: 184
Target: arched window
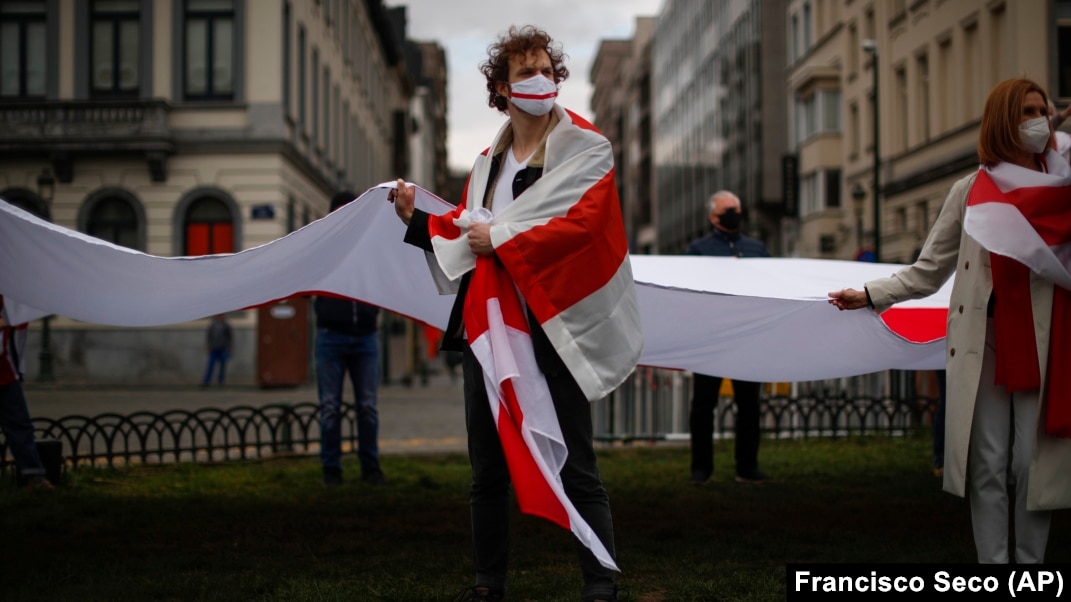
x: 114, y: 220
x: 24, y: 199
x: 209, y: 228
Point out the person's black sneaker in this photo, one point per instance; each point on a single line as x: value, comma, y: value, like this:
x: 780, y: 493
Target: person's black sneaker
x: 612, y: 597
x: 699, y: 477
x: 374, y: 478
x: 479, y: 593
x: 755, y: 477
x: 332, y: 477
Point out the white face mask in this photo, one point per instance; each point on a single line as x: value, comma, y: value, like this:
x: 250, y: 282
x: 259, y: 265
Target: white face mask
x: 1034, y: 134
x: 534, y: 95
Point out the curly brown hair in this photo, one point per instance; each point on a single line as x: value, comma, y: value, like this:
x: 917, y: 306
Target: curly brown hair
x: 518, y: 42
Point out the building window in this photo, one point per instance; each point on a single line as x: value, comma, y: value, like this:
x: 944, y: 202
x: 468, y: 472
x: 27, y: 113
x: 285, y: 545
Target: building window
x: 27, y: 201
x: 922, y: 72
x: 832, y: 194
x: 286, y: 58
x: 970, y: 70
x: 853, y: 116
x: 23, y: 39
x: 900, y: 99
x: 944, y: 86
x: 327, y: 113
x: 314, y: 121
x: 1063, y: 50
x: 853, y: 51
x: 806, y: 26
x: 209, y: 35
x: 209, y: 228
x: 794, y: 40
x: 114, y: 220
x: 115, y: 47
x: 302, y: 115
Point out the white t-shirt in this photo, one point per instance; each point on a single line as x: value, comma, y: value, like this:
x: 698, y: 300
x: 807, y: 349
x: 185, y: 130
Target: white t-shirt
x: 504, y: 188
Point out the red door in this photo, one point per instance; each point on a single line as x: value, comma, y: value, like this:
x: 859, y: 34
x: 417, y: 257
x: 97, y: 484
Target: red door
x: 283, y: 343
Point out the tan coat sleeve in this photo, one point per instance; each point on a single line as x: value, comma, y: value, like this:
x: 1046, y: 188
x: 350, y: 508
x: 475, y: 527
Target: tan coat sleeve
x: 936, y: 262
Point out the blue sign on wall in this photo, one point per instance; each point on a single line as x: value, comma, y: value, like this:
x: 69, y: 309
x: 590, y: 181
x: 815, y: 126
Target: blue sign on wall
x: 263, y: 212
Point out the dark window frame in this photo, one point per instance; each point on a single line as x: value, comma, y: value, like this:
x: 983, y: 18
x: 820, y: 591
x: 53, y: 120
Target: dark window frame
x: 116, y: 18
x: 23, y: 20
x: 211, y: 17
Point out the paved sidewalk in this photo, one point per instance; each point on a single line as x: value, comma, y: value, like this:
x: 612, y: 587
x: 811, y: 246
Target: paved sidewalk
x: 417, y: 418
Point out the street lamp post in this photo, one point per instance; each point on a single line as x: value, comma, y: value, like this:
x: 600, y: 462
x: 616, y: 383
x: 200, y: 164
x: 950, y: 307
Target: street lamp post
x: 871, y: 47
x: 46, y: 187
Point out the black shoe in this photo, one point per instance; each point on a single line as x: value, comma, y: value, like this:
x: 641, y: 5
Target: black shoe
x: 332, y: 477
x: 374, y: 478
x: 478, y: 593
x: 613, y: 597
x: 755, y: 477
x: 699, y: 477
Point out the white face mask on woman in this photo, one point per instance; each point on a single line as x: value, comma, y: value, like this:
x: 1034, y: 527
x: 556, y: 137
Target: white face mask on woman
x: 534, y: 95
x: 1034, y: 134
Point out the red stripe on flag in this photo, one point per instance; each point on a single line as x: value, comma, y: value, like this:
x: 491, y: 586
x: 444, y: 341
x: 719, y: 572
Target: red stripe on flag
x: 570, y: 257
x: 534, y: 495
x: 917, y: 324
x: 1047, y: 208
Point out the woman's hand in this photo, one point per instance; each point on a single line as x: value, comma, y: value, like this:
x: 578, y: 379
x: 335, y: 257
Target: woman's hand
x: 849, y: 298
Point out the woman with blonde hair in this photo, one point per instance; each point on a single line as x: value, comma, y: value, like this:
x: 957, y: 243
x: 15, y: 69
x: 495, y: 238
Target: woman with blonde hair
x: 1008, y: 346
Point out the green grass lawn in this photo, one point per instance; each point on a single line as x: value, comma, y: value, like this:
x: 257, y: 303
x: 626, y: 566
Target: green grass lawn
x: 270, y: 531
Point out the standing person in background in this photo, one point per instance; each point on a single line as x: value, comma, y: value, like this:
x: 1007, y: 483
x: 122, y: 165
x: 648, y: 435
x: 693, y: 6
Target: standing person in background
x: 1008, y: 417
x: 347, y: 340
x: 218, y: 343
x: 726, y: 240
x: 14, y: 416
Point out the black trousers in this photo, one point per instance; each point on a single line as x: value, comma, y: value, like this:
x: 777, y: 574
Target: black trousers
x: 704, y: 400
x: 489, y: 498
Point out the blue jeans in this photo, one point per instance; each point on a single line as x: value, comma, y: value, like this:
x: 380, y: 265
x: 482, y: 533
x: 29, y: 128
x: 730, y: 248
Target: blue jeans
x: 18, y: 429
x: 216, y: 356
x: 335, y: 354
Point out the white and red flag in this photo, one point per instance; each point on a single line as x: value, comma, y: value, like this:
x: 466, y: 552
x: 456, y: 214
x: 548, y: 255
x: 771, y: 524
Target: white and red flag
x: 521, y: 405
x: 1023, y: 218
x: 562, y: 241
x: 1025, y: 215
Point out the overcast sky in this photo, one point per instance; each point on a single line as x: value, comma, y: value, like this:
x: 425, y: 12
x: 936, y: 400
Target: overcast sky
x: 465, y: 28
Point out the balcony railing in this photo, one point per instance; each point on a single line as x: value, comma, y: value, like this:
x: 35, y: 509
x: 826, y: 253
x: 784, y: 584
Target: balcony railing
x: 63, y: 129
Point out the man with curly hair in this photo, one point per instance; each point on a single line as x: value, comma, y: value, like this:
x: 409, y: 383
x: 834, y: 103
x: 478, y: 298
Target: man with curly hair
x: 552, y: 222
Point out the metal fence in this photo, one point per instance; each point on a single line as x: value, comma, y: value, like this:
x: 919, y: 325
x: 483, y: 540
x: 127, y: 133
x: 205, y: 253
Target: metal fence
x: 652, y: 405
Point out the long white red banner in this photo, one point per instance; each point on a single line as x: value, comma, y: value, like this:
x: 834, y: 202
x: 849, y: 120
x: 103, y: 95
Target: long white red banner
x: 754, y: 319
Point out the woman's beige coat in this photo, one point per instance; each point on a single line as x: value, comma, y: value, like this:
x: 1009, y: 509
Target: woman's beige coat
x: 948, y: 249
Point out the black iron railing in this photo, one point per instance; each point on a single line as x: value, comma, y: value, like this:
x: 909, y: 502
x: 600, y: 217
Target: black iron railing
x: 645, y: 413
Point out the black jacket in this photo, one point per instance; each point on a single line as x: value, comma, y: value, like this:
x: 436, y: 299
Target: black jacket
x: 345, y: 316
x: 723, y: 244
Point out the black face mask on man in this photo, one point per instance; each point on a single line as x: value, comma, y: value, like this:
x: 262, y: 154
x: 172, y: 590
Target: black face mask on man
x: 730, y: 220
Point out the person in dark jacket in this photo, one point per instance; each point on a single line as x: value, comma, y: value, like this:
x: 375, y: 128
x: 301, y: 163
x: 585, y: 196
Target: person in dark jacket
x: 347, y: 340
x: 218, y: 341
x: 15, y: 422
x: 725, y: 240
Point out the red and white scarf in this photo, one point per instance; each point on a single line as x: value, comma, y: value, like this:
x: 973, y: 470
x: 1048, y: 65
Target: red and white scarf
x: 1023, y: 218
